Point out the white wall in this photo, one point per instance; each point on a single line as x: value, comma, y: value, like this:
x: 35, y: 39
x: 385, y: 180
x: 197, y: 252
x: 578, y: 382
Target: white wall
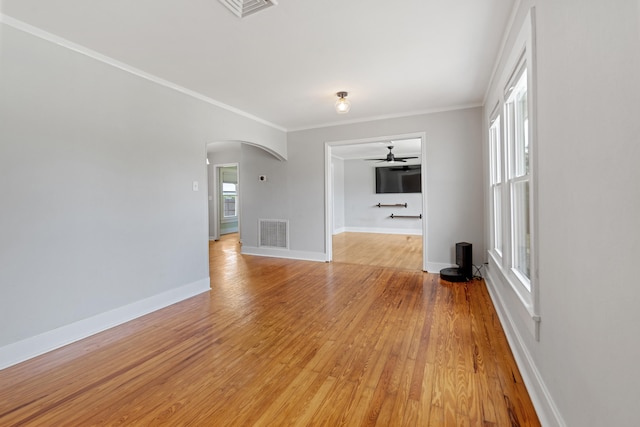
x: 99, y: 219
x: 454, y: 179
x: 261, y: 199
x: 584, y: 371
x: 361, y: 213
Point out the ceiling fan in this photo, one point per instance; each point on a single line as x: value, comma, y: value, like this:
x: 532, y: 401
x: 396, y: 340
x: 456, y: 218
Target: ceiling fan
x: 391, y: 158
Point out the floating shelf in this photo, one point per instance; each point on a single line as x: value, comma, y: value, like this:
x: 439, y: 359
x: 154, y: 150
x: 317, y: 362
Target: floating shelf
x: 397, y: 205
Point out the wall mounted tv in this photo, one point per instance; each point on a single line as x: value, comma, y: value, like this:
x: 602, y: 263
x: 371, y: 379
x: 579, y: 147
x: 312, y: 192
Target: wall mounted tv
x: 399, y: 179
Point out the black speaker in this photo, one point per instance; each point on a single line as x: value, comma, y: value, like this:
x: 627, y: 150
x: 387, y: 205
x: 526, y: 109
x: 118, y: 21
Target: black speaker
x: 464, y: 259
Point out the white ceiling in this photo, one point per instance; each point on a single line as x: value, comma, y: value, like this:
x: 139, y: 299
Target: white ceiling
x: 285, y: 63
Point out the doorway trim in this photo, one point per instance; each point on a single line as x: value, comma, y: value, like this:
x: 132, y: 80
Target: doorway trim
x: 328, y: 188
x: 216, y: 197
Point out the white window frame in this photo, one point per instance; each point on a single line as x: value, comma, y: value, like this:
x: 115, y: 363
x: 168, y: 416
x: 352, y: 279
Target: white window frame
x: 521, y: 55
x: 223, y: 194
x: 518, y: 173
x: 496, y: 183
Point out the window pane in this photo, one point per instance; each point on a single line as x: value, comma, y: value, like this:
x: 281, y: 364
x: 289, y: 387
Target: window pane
x: 520, y: 229
x: 229, y: 206
x: 496, y: 155
x: 497, y: 218
x: 228, y: 187
x: 521, y: 128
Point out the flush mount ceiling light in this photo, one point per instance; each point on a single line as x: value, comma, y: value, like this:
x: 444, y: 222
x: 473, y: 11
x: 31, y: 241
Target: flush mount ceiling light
x: 242, y: 8
x: 342, y: 105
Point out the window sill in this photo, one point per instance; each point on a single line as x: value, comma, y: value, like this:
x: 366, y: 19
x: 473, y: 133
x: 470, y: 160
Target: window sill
x: 512, y: 297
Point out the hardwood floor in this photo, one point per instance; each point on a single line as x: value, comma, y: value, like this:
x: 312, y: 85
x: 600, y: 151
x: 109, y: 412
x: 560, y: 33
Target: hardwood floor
x: 382, y: 250
x: 282, y: 342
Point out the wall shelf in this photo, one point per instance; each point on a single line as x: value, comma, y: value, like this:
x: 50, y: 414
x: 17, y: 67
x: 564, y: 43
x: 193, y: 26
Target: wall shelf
x: 405, y: 216
x: 397, y: 205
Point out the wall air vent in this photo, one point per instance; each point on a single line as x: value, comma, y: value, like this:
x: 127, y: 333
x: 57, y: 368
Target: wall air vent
x: 274, y: 233
x: 242, y: 8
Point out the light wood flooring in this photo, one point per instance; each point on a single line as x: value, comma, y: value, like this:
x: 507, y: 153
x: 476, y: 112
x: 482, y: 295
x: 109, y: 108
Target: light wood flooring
x: 382, y: 250
x: 280, y: 342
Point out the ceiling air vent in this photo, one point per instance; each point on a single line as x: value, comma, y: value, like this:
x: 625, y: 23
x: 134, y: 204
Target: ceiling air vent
x: 242, y: 8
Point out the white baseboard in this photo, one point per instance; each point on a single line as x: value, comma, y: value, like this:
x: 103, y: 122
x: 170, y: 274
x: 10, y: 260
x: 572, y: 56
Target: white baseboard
x: 284, y: 253
x: 544, y: 404
x: 435, y: 267
x: 35, y: 346
x: 377, y: 230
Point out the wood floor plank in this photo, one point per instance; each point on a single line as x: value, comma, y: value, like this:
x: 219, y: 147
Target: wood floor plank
x: 383, y: 250
x: 285, y: 342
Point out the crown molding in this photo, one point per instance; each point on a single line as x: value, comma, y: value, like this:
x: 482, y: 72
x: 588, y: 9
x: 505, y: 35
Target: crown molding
x: 60, y: 41
x: 389, y: 116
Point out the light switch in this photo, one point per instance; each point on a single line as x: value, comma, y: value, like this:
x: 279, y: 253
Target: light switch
x: 195, y: 185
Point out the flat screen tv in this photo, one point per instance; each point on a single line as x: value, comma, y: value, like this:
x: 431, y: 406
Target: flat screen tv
x: 399, y: 179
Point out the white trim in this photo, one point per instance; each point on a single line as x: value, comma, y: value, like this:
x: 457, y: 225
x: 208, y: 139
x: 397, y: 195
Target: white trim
x: 34, y: 31
x: 283, y: 253
x: 545, y: 406
x: 501, y: 283
x: 37, y: 32
x: 215, y: 201
x: 532, y: 76
x: 435, y: 267
x: 508, y: 280
x: 377, y: 230
x: 389, y: 116
x: 328, y: 204
x: 329, y: 190
x: 505, y: 36
x: 35, y: 346
x: 425, y: 202
x: 339, y: 230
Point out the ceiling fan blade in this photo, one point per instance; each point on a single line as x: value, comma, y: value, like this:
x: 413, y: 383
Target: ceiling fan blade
x: 391, y: 158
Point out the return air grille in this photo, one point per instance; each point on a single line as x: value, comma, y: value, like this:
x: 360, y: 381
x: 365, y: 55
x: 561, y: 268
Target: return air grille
x: 274, y: 233
x: 242, y: 8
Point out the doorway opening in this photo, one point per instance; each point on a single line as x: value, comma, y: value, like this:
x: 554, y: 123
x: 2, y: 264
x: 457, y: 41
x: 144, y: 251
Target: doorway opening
x: 228, y: 198
x: 224, y: 200
x: 359, y: 218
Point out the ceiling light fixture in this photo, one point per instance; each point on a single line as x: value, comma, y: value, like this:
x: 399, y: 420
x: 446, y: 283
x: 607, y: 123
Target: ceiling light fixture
x: 342, y: 105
